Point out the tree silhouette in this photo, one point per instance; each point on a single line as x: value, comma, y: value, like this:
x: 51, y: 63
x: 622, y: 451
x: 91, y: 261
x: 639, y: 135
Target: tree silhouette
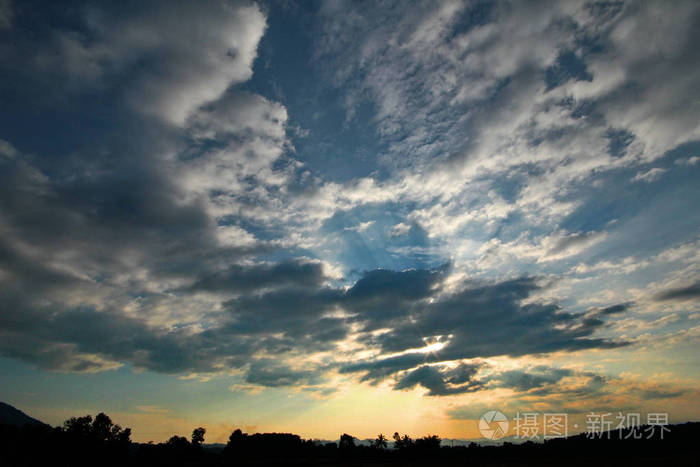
x: 80, y: 426
x: 101, y: 429
x: 380, y: 442
x: 102, y: 426
x: 82, y: 440
x: 428, y: 443
x: 178, y: 442
x: 198, y: 436
x: 402, y: 443
x: 121, y: 435
x: 346, y: 442
x: 87, y: 441
x: 236, y: 443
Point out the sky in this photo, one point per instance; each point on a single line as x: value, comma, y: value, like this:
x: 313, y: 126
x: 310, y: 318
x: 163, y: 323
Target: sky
x: 325, y: 217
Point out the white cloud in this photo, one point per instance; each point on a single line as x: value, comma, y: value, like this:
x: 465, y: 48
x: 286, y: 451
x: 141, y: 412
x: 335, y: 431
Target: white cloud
x: 231, y: 235
x: 688, y: 161
x: 194, y: 53
x: 543, y: 249
x: 649, y: 176
x: 429, y: 89
x: 7, y: 149
x: 400, y: 229
x: 249, y: 133
x: 361, y: 227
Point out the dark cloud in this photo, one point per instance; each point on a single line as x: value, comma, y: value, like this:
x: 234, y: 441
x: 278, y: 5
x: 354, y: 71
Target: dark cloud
x: 110, y: 236
x: 382, y: 284
x: 440, y: 380
x: 267, y: 372
x: 481, y: 320
x: 490, y: 319
x: 520, y: 380
x: 64, y: 339
x: 443, y: 380
x: 661, y: 393
x: 377, y: 370
x: 381, y: 295
x: 614, y: 309
x: 296, y: 313
x: 682, y: 293
x: 105, y: 219
x: 594, y: 385
x: 246, y: 278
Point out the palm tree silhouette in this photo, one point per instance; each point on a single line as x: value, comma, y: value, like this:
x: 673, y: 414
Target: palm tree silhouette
x: 380, y: 442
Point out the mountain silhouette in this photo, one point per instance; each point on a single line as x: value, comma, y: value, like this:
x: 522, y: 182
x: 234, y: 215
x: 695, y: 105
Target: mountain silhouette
x: 12, y: 416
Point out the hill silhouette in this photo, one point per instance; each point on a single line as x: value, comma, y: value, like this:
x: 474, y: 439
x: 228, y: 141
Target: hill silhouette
x: 88, y: 441
x: 10, y: 415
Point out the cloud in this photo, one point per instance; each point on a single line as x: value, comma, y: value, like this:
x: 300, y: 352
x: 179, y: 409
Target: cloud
x: 661, y: 393
x: 481, y: 320
x: 162, y: 59
x: 288, y: 319
x: 293, y: 313
x: 526, y: 380
x: 361, y: 227
x: 218, y: 51
x: 565, y: 390
x: 540, y: 381
x: 236, y: 114
x: 682, y: 293
x: 440, y: 381
x: 236, y: 141
x: 180, y: 231
x: 134, y: 225
x: 563, y: 245
x: 490, y: 319
x: 6, y: 149
x: 400, y: 229
x: 239, y: 278
x: 649, y: 176
x: 690, y: 161
x: 382, y: 295
x: 495, y: 121
x: 566, y: 242
x: 614, y: 309
x: 381, y: 368
x: 267, y: 372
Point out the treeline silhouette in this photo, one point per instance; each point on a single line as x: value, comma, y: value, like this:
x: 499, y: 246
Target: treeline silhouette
x: 88, y: 441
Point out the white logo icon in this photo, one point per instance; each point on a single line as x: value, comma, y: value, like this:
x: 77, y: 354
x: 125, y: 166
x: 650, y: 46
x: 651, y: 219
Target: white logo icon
x: 493, y: 425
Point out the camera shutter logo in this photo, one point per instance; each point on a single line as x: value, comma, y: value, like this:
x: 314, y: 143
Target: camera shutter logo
x: 493, y: 425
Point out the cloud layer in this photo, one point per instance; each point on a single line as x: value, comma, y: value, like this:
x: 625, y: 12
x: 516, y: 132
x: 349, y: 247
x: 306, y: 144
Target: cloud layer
x: 159, y: 210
